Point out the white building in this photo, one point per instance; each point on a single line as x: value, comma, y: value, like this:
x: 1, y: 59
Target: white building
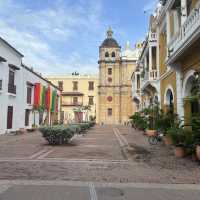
x: 145, y: 79
x: 17, y: 84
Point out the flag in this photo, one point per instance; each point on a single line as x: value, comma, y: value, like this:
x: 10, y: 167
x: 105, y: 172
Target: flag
x: 37, y: 95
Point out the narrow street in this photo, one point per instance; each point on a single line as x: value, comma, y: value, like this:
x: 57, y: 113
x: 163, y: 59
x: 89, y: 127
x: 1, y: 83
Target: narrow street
x: 109, y: 162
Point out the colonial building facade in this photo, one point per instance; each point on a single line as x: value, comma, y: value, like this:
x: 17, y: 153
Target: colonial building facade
x: 79, y: 96
x: 27, y: 99
x: 177, y: 30
x: 115, y: 69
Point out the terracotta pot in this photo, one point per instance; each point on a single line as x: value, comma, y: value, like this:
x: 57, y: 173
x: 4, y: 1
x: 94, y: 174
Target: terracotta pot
x: 198, y: 152
x: 179, y: 152
x: 151, y: 132
x: 167, y: 140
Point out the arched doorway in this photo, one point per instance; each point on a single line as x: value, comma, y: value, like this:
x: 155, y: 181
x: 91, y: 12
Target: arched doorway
x: 169, y: 100
x: 191, y: 87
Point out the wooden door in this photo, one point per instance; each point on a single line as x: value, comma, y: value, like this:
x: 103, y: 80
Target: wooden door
x: 10, y: 117
x: 27, y: 114
x: 78, y: 117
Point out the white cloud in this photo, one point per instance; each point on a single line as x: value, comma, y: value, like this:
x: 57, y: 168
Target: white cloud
x: 37, y: 33
x: 150, y: 6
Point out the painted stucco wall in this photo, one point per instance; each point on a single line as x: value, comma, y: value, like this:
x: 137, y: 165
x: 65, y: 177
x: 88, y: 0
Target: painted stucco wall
x: 18, y: 101
x: 83, y: 87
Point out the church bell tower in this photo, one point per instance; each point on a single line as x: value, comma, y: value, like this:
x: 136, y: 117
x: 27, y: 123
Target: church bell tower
x: 109, y: 80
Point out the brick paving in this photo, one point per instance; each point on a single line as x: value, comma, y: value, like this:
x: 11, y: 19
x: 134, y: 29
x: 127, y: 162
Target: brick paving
x: 100, y: 156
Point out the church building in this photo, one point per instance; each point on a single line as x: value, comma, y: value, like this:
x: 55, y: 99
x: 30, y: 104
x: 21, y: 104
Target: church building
x: 115, y: 70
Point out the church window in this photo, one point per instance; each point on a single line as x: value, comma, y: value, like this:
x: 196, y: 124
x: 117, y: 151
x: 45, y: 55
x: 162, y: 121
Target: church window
x: 109, y: 111
x: 113, y: 54
x: 106, y: 54
x: 109, y: 71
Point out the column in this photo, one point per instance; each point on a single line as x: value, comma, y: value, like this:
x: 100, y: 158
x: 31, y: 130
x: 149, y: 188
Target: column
x: 145, y: 62
x: 183, y: 11
x: 150, y: 58
x: 176, y: 22
x: 150, y: 62
x: 180, y: 105
x: 168, y: 27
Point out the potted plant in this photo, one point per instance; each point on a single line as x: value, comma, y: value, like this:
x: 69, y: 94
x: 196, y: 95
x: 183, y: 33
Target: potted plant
x: 165, y: 122
x: 196, y: 133
x: 152, y: 115
x: 178, y: 138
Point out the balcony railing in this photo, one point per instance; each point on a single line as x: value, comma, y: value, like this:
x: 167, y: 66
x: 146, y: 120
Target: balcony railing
x: 12, y: 88
x: 153, y: 37
x: 191, y: 24
x: 153, y: 74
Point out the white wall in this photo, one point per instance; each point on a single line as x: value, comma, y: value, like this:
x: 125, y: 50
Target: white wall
x: 18, y: 101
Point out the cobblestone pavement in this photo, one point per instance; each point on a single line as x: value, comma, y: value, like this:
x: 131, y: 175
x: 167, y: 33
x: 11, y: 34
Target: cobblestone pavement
x: 106, y: 154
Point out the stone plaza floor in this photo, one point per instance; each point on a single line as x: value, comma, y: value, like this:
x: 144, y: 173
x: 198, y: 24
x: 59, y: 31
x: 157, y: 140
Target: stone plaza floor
x: 117, y: 157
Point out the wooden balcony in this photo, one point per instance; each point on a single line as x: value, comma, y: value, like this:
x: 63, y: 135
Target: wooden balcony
x: 72, y: 104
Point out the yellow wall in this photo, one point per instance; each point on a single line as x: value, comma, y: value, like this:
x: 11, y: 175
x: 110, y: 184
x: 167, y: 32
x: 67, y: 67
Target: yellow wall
x: 119, y: 89
x: 191, y: 60
x: 83, y: 87
x: 163, y: 52
x: 169, y: 80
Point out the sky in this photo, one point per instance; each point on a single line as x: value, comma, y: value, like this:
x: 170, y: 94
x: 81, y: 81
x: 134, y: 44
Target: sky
x: 63, y: 36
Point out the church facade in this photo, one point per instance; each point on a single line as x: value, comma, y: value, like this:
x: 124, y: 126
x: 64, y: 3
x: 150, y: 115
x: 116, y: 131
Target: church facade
x: 115, y: 70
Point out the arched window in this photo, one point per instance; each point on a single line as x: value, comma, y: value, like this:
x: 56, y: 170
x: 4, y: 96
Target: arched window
x: 169, y: 100
x: 113, y: 54
x: 106, y: 54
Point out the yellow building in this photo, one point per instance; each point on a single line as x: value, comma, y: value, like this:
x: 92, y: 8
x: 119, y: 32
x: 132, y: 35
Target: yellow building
x: 115, y: 69
x: 79, y: 96
x: 145, y: 79
x: 183, y: 53
x: 177, y: 28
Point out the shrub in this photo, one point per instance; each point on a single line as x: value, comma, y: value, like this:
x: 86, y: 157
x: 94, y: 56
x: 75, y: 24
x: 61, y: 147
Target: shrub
x: 139, y: 121
x: 57, y: 134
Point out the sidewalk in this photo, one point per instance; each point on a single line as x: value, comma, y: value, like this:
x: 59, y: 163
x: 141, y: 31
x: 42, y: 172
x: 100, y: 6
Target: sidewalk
x: 63, y: 190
